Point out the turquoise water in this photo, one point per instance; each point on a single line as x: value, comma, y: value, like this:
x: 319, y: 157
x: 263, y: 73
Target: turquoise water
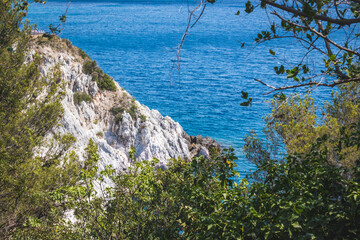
x: 136, y: 42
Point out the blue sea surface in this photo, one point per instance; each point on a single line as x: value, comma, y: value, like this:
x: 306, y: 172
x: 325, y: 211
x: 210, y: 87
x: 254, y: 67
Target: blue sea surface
x: 136, y: 43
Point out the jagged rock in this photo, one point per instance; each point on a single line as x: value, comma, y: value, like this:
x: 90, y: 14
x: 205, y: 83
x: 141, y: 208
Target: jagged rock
x: 153, y: 135
x: 199, y: 145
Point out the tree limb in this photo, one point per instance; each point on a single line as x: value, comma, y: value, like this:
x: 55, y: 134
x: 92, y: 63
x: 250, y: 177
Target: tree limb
x: 296, y: 12
x: 333, y: 84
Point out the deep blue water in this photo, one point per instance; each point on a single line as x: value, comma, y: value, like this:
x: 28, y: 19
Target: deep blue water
x: 136, y: 42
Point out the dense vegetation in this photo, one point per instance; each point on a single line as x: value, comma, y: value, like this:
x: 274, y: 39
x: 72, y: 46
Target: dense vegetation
x: 309, y: 191
x: 29, y: 107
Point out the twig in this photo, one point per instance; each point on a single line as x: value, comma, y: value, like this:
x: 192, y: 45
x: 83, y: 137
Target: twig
x: 269, y: 86
x: 296, y: 12
x: 333, y: 84
x: 189, y: 25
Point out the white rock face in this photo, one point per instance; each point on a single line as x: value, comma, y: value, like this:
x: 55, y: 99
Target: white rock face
x: 153, y: 135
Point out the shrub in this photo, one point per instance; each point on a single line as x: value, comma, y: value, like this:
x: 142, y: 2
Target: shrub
x: 100, y: 134
x: 132, y: 110
x: 116, y: 110
x: 95, y: 76
x: 80, y: 97
x: 83, y: 54
x: 68, y: 43
x: 118, y: 118
x: 142, y: 118
x: 106, y: 83
x: 89, y: 67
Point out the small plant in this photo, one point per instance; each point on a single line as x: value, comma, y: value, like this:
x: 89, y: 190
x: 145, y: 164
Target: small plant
x: 100, y: 134
x: 95, y: 76
x: 142, y: 118
x: 81, y: 97
x: 83, y: 54
x: 132, y: 153
x: 132, y: 110
x: 214, y: 152
x: 68, y: 43
x: 104, y: 81
x: 89, y: 67
x: 116, y: 110
x: 118, y: 118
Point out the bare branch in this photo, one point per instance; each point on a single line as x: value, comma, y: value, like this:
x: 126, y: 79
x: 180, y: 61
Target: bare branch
x: 57, y: 28
x: 325, y: 37
x: 269, y: 86
x: 189, y: 25
x: 333, y: 84
x: 296, y: 12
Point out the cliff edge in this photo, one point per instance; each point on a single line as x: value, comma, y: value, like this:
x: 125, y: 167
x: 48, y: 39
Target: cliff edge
x: 96, y: 107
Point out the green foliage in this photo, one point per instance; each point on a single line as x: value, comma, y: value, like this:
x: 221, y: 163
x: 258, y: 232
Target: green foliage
x: 307, y: 199
x: 104, y: 81
x: 81, y: 97
x: 309, y: 191
x: 152, y: 203
x: 295, y: 123
x: 100, y: 134
x: 132, y: 154
x: 245, y: 96
x: 107, y: 83
x: 29, y: 108
x: 117, y: 112
x: 118, y: 118
x: 80, y: 197
x: 89, y: 67
x: 315, y: 25
x: 132, y: 110
x: 142, y: 118
x: 83, y: 54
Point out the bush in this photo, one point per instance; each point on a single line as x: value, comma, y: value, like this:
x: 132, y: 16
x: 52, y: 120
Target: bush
x: 89, y: 67
x: 80, y: 97
x: 106, y: 83
x: 67, y: 42
x: 132, y: 110
x: 83, y: 54
x: 95, y: 76
x: 142, y: 118
x: 116, y: 110
x: 118, y: 118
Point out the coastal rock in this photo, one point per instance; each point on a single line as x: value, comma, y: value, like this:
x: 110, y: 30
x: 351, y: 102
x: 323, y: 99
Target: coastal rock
x: 114, y: 119
x: 199, y: 145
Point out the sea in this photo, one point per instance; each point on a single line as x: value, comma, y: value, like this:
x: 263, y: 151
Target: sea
x: 136, y: 42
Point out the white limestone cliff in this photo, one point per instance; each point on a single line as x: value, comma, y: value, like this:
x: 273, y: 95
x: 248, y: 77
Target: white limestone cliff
x: 150, y: 133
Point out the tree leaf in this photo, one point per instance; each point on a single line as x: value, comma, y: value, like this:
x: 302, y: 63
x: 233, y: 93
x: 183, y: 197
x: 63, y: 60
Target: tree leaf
x: 244, y: 95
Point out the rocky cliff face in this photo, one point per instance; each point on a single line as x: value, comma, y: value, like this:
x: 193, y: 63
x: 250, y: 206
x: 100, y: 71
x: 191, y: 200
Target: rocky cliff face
x: 113, y: 119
